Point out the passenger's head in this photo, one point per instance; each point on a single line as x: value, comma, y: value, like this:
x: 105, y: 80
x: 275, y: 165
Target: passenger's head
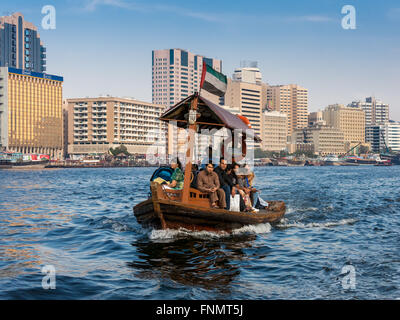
x: 210, y: 167
x: 236, y: 168
x: 175, y: 163
x: 246, y: 169
x: 223, y: 164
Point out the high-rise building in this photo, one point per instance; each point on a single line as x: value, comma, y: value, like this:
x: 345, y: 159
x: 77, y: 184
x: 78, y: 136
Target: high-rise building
x: 20, y: 45
x: 176, y: 74
x: 351, y: 121
x: 375, y: 110
x: 250, y: 100
x: 249, y: 75
x: 384, y: 135
x: 31, y: 112
x: 274, y: 131
x: 97, y: 124
x: 291, y: 100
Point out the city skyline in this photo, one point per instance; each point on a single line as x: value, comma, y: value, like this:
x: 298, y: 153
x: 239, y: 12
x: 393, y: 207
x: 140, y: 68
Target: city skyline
x: 104, y: 47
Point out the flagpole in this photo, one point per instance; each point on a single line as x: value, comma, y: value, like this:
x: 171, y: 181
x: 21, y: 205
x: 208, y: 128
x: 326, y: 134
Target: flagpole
x: 203, y: 74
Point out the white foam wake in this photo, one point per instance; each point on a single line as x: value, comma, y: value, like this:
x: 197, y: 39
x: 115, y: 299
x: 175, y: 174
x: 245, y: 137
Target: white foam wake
x: 285, y: 224
x: 253, y: 229
x: 169, y: 234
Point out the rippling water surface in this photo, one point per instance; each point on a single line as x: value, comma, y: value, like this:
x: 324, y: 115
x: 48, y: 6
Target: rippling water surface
x: 81, y: 222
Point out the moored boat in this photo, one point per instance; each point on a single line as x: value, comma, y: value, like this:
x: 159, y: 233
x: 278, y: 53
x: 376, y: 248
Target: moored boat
x: 394, y: 158
x: 332, y: 160
x: 359, y: 160
x: 383, y: 163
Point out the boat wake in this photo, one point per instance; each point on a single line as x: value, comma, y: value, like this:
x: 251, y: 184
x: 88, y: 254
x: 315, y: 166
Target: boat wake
x: 169, y: 234
x: 284, y: 224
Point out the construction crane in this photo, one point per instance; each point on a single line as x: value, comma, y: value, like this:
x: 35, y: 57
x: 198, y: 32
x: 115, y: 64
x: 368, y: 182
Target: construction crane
x: 384, y: 141
x: 343, y: 155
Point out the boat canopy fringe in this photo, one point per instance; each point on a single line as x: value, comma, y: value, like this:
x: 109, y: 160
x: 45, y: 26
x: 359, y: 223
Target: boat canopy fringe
x: 211, y: 116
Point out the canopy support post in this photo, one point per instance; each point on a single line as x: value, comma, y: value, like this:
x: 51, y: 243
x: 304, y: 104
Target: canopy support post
x: 189, y: 153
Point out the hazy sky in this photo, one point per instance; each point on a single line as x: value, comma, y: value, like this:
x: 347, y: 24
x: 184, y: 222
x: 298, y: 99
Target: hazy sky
x: 104, y: 46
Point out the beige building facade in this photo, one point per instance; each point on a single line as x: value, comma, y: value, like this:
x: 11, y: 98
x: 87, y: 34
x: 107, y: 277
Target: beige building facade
x: 97, y: 124
x: 316, y: 118
x: 351, y: 121
x: 324, y: 139
x: 292, y: 100
x: 250, y: 100
x: 274, y: 131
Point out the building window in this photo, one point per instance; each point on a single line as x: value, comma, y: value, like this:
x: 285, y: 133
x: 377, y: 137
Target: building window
x: 184, y: 58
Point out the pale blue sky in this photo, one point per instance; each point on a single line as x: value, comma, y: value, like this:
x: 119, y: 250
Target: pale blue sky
x: 104, y: 46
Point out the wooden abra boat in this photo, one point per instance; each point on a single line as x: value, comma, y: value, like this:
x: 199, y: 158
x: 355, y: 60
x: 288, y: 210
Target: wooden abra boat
x: 189, y: 208
x: 165, y: 210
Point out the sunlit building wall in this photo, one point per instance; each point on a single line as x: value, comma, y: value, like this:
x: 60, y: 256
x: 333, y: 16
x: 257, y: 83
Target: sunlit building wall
x: 31, y: 112
x: 292, y: 100
x: 351, y: 121
x: 97, y: 124
x: 274, y: 131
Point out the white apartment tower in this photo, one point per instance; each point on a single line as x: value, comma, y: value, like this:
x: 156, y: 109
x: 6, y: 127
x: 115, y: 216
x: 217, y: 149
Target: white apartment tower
x: 375, y: 110
x: 176, y: 74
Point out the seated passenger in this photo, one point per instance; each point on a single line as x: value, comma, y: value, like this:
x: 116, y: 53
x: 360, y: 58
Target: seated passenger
x: 254, y: 193
x: 232, y: 170
x: 208, y: 182
x: 177, y: 176
x: 245, y: 189
x: 248, y: 176
x: 225, y: 181
x: 193, y: 181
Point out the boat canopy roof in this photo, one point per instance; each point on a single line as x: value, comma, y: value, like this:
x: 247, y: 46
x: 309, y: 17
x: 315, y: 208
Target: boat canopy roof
x: 212, y: 116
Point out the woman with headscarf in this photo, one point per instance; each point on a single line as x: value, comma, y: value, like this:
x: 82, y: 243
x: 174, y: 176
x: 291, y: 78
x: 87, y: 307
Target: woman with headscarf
x: 177, y: 176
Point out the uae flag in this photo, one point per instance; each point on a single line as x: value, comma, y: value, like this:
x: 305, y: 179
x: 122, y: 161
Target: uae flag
x: 213, y: 81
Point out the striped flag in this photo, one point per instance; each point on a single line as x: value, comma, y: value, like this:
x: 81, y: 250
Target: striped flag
x: 213, y: 81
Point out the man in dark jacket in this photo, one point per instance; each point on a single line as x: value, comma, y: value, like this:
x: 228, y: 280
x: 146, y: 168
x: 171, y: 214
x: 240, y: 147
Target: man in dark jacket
x: 225, y: 181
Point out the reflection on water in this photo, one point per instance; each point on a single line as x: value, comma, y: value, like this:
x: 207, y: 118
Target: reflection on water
x: 21, y: 224
x: 211, y: 265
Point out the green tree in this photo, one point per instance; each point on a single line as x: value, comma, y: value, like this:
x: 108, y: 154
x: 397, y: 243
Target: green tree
x: 363, y: 150
x: 308, y: 154
x: 118, y: 150
x: 259, y: 153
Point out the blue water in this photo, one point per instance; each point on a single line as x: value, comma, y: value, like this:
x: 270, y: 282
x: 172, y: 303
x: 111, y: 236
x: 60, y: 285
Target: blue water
x: 80, y: 221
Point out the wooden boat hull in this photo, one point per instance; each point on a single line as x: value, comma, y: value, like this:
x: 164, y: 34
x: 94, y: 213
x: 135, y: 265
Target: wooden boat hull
x: 169, y: 214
